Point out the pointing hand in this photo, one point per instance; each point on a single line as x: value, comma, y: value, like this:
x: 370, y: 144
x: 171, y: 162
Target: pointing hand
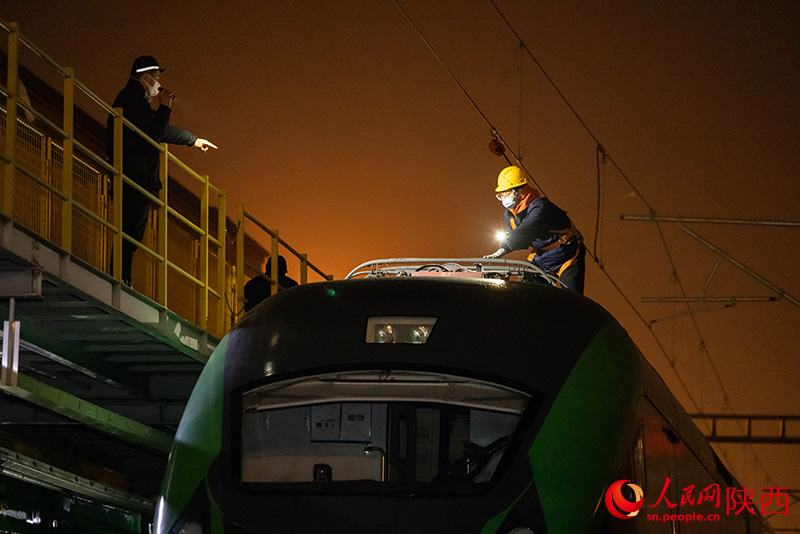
x: 204, y: 144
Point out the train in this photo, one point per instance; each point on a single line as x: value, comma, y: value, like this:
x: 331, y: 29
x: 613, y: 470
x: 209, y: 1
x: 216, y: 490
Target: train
x: 439, y: 395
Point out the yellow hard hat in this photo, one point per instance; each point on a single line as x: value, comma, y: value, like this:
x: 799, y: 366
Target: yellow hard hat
x: 511, y: 177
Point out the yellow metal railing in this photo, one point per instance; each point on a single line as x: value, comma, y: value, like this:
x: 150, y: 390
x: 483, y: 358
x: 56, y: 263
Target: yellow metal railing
x: 275, y: 242
x: 202, y: 264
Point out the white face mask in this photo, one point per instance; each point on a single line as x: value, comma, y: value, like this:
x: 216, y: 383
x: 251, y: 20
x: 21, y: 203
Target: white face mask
x: 509, y: 202
x: 152, y: 90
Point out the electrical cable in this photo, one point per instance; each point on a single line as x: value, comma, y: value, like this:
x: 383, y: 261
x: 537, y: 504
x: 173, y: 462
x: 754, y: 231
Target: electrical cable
x: 648, y: 325
x: 496, y: 135
x: 566, y: 102
x: 726, y: 397
x: 520, y: 148
x: 453, y: 77
x: 598, y: 223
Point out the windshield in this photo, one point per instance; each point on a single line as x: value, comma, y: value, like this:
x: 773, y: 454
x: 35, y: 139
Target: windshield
x: 378, y: 428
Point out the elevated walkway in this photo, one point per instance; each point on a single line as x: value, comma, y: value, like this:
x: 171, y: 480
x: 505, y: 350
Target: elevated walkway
x: 91, y: 369
x: 95, y: 374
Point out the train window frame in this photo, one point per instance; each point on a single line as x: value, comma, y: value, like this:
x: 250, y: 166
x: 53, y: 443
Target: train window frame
x: 477, y: 397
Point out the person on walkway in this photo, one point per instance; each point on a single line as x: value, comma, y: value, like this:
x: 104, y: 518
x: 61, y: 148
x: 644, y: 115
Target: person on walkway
x: 140, y: 159
x: 258, y: 288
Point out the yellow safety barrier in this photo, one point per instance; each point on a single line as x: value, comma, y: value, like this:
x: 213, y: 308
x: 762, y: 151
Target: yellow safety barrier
x: 182, y: 265
x: 275, y: 242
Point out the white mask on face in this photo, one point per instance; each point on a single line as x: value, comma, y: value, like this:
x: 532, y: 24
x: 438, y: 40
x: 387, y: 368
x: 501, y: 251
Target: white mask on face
x: 509, y: 202
x: 152, y: 90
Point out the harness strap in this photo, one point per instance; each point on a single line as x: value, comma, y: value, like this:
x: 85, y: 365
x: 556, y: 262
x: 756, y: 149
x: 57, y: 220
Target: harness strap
x: 565, y: 237
x: 568, y: 263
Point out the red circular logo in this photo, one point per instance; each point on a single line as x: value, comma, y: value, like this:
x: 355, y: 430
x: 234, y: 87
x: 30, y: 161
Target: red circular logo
x: 621, y: 507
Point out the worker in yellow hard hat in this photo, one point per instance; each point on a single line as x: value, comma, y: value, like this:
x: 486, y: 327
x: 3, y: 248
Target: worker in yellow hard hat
x: 533, y: 221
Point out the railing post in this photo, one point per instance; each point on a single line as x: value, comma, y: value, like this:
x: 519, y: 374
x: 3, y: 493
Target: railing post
x: 239, y: 302
x: 222, y: 217
x: 203, y: 274
x: 163, y: 221
x: 9, y: 371
x: 10, y: 147
x: 66, y: 178
x: 273, y: 272
x: 303, y: 269
x: 116, y: 244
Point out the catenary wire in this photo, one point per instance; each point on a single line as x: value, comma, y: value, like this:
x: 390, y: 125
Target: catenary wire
x: 600, y: 158
x: 662, y: 349
x: 703, y: 345
x: 455, y: 80
x: 498, y: 136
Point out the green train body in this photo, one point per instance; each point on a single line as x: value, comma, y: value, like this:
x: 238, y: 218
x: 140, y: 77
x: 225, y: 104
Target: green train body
x: 404, y: 405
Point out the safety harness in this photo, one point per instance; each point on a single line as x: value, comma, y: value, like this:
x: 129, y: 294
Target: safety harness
x: 566, y: 236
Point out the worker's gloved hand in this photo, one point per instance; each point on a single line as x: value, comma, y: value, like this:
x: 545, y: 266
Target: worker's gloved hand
x: 498, y: 254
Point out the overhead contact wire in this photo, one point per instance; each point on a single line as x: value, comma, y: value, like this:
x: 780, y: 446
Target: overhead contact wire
x: 498, y: 136
x: 462, y: 88
x: 606, y: 155
x: 726, y: 398
x: 444, y: 66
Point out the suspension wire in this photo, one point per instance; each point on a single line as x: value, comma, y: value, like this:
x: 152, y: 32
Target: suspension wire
x: 606, y: 156
x: 520, y: 148
x: 567, y: 102
x: 495, y: 133
x: 598, y: 223
x: 704, y: 346
x: 444, y: 66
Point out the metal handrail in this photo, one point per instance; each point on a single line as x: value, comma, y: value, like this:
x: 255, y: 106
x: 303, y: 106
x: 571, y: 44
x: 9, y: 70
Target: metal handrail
x: 47, y: 186
x: 143, y: 247
x: 275, y: 243
x: 175, y: 213
x: 274, y: 235
x: 12, y: 27
x: 64, y: 192
x: 207, y: 237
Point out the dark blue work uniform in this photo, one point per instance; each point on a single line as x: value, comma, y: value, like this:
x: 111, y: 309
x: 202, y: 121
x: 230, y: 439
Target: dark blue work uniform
x: 557, y: 247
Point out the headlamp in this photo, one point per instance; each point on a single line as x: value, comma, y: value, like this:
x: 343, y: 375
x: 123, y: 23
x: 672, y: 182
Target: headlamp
x: 409, y: 330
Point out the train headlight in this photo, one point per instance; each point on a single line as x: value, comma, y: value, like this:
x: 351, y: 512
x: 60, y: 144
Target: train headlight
x: 411, y: 330
x: 419, y: 335
x: 385, y: 334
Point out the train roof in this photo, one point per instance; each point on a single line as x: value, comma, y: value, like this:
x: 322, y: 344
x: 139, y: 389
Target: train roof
x: 523, y: 334
x: 454, y: 267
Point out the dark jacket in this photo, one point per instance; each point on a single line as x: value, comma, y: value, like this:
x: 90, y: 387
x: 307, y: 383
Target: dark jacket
x: 258, y: 288
x: 539, y: 227
x: 140, y: 158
